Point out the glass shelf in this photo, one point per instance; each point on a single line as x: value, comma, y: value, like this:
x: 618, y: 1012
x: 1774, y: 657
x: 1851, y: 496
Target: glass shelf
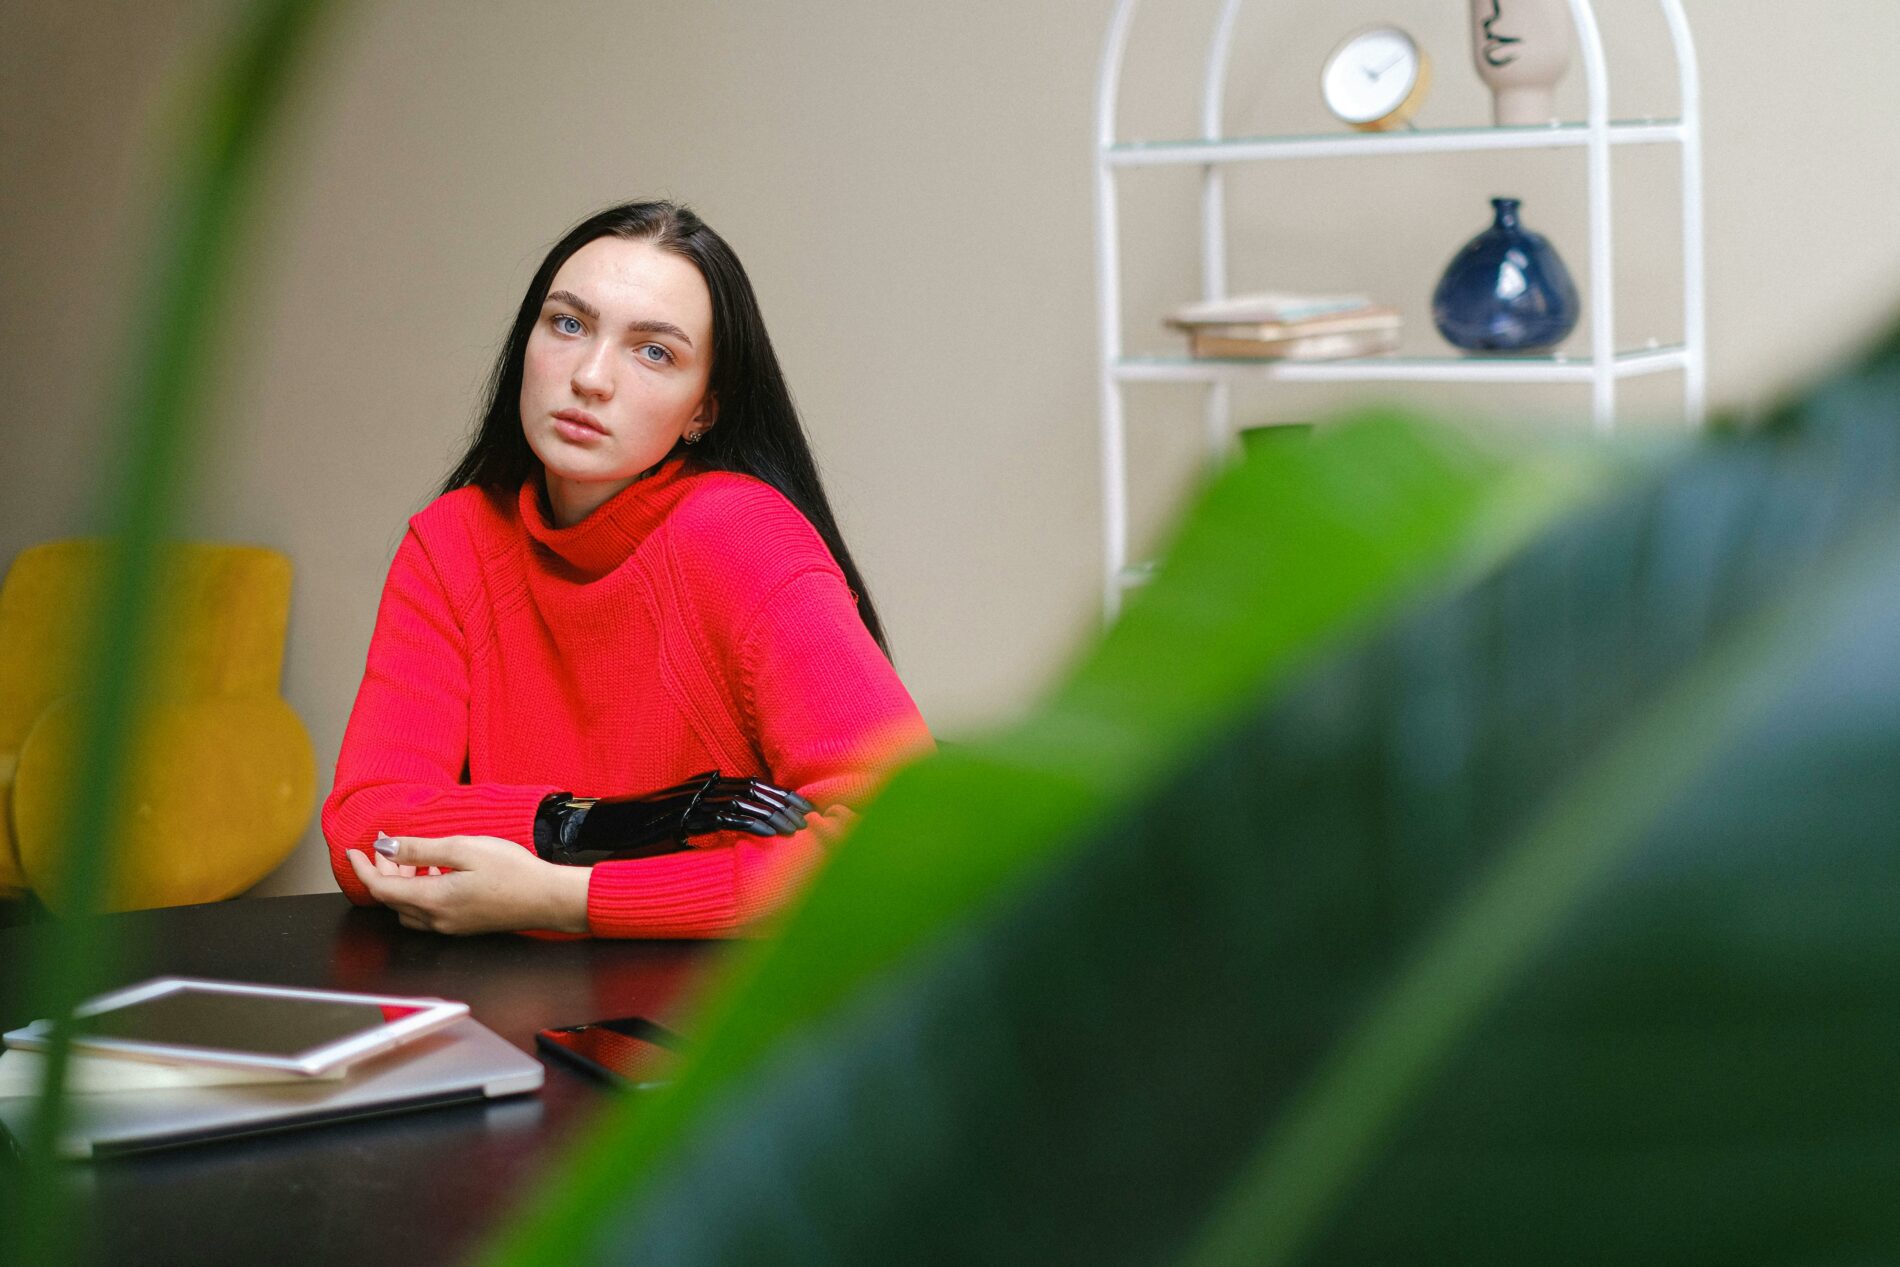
x: 1402, y: 369
x: 1420, y: 141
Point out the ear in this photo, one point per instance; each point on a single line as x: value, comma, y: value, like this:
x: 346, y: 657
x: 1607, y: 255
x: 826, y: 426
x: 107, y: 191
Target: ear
x: 708, y: 410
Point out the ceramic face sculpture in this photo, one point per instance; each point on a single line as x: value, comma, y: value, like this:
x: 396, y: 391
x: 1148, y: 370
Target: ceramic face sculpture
x: 1521, y: 48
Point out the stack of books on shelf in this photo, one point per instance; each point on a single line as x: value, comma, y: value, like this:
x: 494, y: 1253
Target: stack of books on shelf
x: 1283, y: 327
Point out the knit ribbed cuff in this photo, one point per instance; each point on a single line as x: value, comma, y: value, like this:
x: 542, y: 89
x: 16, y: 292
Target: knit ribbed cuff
x: 482, y: 809
x: 689, y: 894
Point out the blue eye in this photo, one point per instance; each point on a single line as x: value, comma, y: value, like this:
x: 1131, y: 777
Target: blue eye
x: 661, y: 359
x: 573, y: 326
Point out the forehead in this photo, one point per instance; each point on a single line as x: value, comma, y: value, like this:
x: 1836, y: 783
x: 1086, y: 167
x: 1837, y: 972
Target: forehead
x: 636, y: 281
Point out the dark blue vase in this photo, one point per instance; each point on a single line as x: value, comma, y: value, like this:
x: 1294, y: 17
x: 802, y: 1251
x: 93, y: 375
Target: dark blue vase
x: 1506, y: 291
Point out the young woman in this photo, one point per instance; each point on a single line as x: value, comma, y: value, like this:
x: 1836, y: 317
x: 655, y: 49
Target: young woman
x: 629, y: 624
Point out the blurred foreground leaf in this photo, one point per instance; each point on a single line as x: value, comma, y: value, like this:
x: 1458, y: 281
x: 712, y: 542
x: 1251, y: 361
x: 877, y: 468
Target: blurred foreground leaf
x: 1551, y: 920
x: 216, y: 155
x: 1286, y: 555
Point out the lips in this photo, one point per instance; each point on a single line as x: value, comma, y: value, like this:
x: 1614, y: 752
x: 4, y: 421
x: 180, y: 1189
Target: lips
x: 579, y: 420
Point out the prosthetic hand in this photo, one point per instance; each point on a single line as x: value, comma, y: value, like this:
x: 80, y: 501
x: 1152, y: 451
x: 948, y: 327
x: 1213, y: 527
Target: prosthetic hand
x: 578, y: 830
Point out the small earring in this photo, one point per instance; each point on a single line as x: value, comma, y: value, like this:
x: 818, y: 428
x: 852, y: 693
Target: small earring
x: 692, y: 437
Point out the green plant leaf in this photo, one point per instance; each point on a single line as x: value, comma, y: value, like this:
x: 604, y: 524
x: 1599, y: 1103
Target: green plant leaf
x: 1513, y: 910
x: 218, y: 154
x: 1286, y: 555
x: 1550, y: 920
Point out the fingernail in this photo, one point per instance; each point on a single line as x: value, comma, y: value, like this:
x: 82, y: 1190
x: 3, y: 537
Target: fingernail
x: 385, y: 845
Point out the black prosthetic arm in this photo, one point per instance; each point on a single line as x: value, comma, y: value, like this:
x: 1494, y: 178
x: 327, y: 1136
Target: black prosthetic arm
x: 580, y: 830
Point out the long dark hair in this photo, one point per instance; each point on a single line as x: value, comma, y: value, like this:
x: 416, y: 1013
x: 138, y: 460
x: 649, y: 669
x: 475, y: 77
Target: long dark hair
x: 758, y: 432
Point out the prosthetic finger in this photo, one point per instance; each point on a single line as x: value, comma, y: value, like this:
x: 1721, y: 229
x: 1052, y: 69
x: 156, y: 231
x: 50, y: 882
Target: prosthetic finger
x: 743, y: 818
x: 788, y: 806
x: 760, y: 790
x: 733, y: 822
x: 783, y: 797
x: 780, y: 816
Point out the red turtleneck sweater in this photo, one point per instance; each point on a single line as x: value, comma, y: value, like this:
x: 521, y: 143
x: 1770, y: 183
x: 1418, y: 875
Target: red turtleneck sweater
x: 695, y: 621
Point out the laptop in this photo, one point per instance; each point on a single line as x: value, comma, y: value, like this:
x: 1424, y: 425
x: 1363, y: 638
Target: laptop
x: 463, y: 1063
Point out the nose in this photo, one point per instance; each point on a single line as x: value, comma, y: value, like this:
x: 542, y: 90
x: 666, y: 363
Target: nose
x: 592, y: 374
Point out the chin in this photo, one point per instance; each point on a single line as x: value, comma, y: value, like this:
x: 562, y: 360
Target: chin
x: 583, y: 473
x: 562, y: 461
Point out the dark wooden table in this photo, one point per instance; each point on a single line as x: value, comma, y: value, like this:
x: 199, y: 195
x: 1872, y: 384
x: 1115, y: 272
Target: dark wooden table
x: 415, y: 1188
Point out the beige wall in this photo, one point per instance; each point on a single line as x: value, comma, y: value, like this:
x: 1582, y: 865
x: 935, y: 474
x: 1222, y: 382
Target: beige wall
x: 909, y: 185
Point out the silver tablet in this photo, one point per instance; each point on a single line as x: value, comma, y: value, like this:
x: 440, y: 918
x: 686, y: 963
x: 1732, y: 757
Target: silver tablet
x: 463, y: 1064
x: 182, y: 1020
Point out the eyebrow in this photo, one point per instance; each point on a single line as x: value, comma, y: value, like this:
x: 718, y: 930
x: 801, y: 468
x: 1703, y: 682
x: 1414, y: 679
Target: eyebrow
x: 575, y: 302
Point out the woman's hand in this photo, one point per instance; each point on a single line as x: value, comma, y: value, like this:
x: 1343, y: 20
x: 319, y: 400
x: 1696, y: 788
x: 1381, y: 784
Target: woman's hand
x: 474, y: 884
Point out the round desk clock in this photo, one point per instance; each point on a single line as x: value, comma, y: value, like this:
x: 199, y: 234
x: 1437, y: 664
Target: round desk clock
x: 1376, y: 79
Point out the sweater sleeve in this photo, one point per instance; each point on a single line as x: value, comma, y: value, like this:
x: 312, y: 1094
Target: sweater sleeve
x: 400, y: 768
x: 829, y: 718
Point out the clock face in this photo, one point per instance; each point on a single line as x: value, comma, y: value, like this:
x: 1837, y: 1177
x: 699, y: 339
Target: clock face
x: 1370, y: 75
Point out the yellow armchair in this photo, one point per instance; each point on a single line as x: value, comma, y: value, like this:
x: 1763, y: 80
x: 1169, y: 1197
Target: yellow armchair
x: 223, y: 780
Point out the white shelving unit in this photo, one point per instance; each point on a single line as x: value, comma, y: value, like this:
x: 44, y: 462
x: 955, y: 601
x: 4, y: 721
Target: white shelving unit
x: 1602, y: 369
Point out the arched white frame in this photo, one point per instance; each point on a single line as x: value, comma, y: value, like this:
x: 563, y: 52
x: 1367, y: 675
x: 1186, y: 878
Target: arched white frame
x: 1212, y: 152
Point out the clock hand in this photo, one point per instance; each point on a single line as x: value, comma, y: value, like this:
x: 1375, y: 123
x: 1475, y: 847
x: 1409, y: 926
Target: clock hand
x: 1376, y: 74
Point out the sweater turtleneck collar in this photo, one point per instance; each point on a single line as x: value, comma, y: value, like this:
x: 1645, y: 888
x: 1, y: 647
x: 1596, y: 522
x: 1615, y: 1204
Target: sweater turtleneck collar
x: 606, y: 538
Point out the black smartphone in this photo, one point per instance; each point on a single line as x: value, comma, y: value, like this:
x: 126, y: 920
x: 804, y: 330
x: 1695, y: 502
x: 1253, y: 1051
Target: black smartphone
x: 631, y: 1051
